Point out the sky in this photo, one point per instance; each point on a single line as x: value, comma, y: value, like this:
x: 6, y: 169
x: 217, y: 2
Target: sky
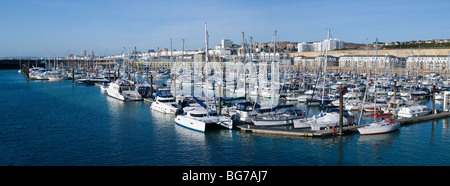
x: 55, y: 27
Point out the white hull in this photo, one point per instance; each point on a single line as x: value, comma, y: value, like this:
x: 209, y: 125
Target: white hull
x: 262, y: 122
x: 413, y: 111
x: 190, y: 123
x: 164, y: 107
x: 115, y: 94
x: 55, y: 78
x: 122, y: 92
x: 378, y: 128
x: 196, y: 118
x: 409, y: 115
x: 317, y: 122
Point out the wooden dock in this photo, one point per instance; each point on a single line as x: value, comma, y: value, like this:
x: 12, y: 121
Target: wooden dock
x: 330, y: 132
x: 148, y: 100
x: 296, y: 132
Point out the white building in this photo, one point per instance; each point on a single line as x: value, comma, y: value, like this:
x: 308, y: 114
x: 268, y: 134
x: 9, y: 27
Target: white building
x: 304, y: 47
x: 226, y: 43
x: 369, y: 61
x: 432, y: 63
x: 331, y: 44
x: 334, y: 44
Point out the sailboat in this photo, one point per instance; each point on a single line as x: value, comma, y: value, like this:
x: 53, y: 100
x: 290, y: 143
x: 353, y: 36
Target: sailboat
x: 386, y: 124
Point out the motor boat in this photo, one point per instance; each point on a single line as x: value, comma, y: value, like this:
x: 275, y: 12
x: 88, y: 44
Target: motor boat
x: 54, y: 75
x: 282, y: 117
x: 327, y: 119
x: 377, y: 106
x: 164, y: 102
x: 396, y: 104
x: 90, y: 81
x: 413, y: 111
x: 123, y: 90
x: 246, y: 110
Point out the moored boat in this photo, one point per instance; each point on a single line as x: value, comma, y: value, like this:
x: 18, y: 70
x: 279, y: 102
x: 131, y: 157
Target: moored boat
x: 414, y: 111
x: 379, y: 127
x: 123, y: 90
x: 164, y: 102
x: 197, y: 118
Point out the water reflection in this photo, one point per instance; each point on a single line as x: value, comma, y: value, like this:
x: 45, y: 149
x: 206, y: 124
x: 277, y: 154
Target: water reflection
x: 378, y: 141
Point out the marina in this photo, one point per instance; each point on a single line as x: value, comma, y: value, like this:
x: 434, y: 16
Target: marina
x: 239, y: 102
x: 80, y: 125
x: 232, y: 104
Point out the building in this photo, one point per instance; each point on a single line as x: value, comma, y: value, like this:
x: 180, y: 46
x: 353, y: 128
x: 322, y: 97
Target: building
x: 83, y: 53
x: 435, y: 63
x: 330, y: 44
x: 304, y: 47
x: 314, y: 63
x: 369, y: 61
x: 334, y: 44
x: 226, y: 43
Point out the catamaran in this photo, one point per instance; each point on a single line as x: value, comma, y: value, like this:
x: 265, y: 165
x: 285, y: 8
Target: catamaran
x: 198, y: 117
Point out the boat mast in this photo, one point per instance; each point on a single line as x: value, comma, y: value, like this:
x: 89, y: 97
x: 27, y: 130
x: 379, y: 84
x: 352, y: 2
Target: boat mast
x: 376, y: 81
x: 243, y: 63
x: 327, y: 44
x: 206, y: 67
x: 272, y: 71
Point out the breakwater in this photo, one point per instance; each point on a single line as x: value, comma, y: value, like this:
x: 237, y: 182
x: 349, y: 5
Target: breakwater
x: 15, y: 63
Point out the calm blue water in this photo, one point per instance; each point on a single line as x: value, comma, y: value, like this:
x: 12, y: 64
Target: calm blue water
x: 53, y: 123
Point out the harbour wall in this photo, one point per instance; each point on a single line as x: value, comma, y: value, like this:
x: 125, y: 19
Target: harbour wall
x: 15, y: 63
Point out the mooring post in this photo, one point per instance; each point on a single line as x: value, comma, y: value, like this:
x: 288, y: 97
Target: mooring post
x: 341, y: 110
x: 151, y: 85
x: 434, y: 96
x: 220, y: 99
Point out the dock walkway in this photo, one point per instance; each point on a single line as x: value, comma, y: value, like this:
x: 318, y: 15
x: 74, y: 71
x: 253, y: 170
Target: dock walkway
x: 295, y: 131
x: 328, y: 132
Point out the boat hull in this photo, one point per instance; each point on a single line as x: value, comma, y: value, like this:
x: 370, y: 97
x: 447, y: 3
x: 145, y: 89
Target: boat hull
x: 378, y: 129
x: 262, y: 122
x: 190, y: 123
x: 164, y: 108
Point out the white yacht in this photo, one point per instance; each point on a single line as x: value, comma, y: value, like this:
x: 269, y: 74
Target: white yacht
x: 413, y: 111
x: 246, y: 110
x: 197, y: 118
x: 351, y: 101
x: 164, y: 102
x: 54, y: 75
x: 37, y: 73
x: 280, y: 117
x: 378, y: 127
x: 123, y: 90
x: 396, y: 104
x: 374, y: 107
x: 307, y: 95
x: 322, y: 120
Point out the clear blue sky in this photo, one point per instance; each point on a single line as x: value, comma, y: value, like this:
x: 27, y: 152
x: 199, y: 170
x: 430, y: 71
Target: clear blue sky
x: 30, y: 27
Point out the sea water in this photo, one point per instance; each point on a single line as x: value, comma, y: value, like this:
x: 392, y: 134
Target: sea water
x: 55, y: 123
